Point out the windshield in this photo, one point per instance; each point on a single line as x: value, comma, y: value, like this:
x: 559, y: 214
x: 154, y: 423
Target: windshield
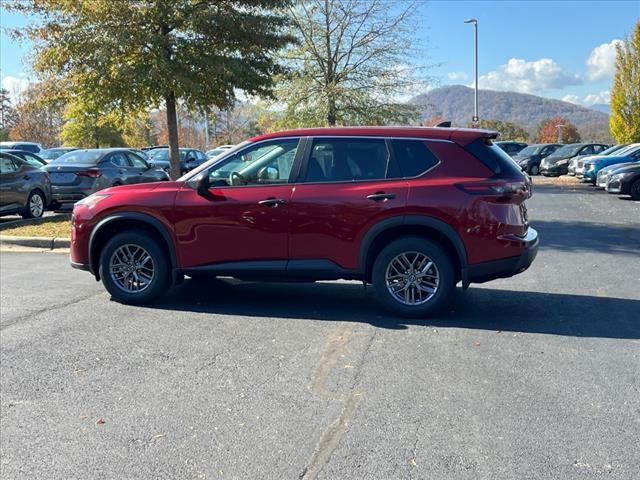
x: 163, y: 154
x: 87, y: 157
x: 530, y: 150
x: 567, y: 150
x: 615, y: 148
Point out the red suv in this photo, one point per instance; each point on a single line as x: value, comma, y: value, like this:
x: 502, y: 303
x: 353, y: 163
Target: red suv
x: 413, y: 211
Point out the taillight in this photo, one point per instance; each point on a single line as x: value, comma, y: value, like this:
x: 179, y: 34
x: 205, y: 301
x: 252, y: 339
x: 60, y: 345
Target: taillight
x: 497, y: 188
x: 91, y: 173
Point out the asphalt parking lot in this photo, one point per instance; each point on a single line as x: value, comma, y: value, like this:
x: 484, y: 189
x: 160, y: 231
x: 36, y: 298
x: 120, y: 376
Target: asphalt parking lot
x: 535, y: 377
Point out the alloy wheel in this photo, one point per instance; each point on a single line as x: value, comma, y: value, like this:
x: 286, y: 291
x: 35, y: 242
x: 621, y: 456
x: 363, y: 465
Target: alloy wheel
x: 412, y: 278
x: 36, y: 205
x: 132, y: 268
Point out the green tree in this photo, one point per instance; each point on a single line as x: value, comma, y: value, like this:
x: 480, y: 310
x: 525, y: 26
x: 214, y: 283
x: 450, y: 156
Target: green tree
x: 86, y: 126
x: 132, y: 55
x: 625, y: 95
x: 7, y: 115
x: 351, y: 64
x: 548, y: 131
x: 507, y: 130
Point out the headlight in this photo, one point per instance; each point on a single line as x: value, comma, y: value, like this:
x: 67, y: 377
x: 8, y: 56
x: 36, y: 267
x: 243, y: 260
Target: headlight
x: 590, y: 166
x: 93, y: 200
x: 562, y: 162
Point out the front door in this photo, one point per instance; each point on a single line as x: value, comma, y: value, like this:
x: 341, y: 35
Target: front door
x: 348, y: 185
x: 244, y: 216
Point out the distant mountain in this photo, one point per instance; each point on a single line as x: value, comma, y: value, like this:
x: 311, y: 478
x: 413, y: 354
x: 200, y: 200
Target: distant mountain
x: 455, y: 103
x: 601, y: 107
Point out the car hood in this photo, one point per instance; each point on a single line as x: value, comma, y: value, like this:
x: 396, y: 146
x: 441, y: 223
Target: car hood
x: 618, y: 166
x: 607, y: 160
x: 555, y: 158
x: 628, y: 168
x: 140, y: 187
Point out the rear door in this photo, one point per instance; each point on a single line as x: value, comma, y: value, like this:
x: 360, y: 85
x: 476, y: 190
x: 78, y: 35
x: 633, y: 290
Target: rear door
x: 346, y: 186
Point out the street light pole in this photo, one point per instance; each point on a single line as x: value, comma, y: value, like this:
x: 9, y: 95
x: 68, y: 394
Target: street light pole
x: 560, y: 127
x: 475, y: 119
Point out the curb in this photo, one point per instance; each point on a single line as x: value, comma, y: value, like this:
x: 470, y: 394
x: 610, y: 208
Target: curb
x: 32, y: 221
x: 50, y: 243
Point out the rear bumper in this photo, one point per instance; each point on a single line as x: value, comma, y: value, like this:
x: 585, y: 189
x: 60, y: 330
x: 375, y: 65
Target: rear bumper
x: 506, y: 267
x: 80, y: 266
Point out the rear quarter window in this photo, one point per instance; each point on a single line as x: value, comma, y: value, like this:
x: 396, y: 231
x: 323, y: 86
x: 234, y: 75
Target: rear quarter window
x: 413, y: 157
x: 493, y: 157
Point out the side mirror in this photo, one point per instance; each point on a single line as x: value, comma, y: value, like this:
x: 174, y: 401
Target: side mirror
x: 204, y: 184
x: 151, y: 164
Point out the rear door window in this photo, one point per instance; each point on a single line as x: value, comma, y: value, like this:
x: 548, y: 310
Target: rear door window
x: 413, y: 157
x: 7, y: 165
x: 349, y: 160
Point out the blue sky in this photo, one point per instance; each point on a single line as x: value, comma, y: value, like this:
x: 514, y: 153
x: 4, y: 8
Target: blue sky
x: 558, y: 49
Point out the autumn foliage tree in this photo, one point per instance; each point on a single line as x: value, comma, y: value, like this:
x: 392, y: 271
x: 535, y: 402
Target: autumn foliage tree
x: 625, y: 95
x: 547, y: 131
x: 433, y: 121
x: 36, y: 117
x: 507, y: 130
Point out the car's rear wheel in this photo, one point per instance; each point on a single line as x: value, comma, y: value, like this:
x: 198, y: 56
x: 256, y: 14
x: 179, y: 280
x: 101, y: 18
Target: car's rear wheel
x: 413, y: 277
x: 134, y: 268
x: 35, y: 205
x: 534, y: 170
x: 634, y: 190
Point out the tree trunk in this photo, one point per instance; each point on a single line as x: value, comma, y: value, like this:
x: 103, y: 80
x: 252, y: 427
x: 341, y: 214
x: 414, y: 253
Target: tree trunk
x: 172, y: 128
x: 331, y: 114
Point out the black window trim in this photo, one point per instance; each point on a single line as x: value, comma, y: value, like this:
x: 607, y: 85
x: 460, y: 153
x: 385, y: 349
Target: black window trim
x: 387, y: 139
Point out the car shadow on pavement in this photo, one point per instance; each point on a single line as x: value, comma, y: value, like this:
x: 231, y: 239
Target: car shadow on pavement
x: 476, y: 308
x: 586, y: 236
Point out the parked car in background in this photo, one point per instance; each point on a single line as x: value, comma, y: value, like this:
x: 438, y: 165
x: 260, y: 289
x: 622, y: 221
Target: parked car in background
x: 573, y: 164
x: 625, y: 181
x: 413, y: 211
x: 557, y: 163
x: 594, y: 165
x: 512, y: 148
x: 31, y: 158
x: 24, y: 188
x: 606, y: 172
x: 78, y: 174
x: 190, y: 158
x: 144, y: 154
x: 153, y: 147
x: 52, y: 153
x: 26, y: 146
x: 529, y: 158
x: 218, y: 150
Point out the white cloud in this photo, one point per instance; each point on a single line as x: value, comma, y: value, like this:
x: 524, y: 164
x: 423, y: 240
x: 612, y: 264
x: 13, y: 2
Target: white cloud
x: 603, y: 97
x: 457, y: 76
x: 528, y: 76
x: 14, y: 85
x: 602, y: 61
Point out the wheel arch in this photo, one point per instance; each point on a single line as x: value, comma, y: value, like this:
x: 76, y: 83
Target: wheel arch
x: 386, y: 231
x: 115, y: 223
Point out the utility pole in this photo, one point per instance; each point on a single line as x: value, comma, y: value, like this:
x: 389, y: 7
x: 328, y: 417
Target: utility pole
x: 476, y: 118
x: 560, y: 127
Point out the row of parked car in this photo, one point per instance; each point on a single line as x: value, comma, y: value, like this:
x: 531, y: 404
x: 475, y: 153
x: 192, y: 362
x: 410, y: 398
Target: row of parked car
x: 615, y: 168
x: 33, y: 179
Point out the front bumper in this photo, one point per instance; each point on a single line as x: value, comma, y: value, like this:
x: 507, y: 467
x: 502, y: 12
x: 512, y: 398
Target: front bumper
x: 589, y: 176
x: 554, y: 170
x: 506, y: 267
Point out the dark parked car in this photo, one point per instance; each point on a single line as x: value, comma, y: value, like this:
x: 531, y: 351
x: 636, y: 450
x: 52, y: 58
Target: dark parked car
x: 31, y: 158
x: 77, y: 174
x: 512, y: 148
x: 411, y: 210
x: 26, y: 146
x: 24, y: 187
x: 593, y: 165
x: 218, y: 150
x: 529, y: 158
x: 604, y: 173
x: 51, y: 154
x: 625, y: 181
x: 190, y: 158
x: 557, y: 163
x: 573, y: 164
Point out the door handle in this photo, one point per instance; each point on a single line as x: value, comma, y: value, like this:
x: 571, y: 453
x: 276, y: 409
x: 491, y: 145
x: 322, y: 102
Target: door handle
x: 378, y: 196
x: 272, y: 202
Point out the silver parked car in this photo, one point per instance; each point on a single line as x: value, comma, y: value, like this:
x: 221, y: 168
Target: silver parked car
x: 80, y: 173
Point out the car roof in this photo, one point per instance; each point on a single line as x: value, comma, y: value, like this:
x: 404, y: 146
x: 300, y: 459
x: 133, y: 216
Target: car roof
x: 17, y: 150
x: 462, y: 136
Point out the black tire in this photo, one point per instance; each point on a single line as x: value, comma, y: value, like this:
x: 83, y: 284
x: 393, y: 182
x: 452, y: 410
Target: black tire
x: 534, y: 170
x: 30, y: 212
x: 162, y: 269
x: 634, y: 189
x: 443, y: 264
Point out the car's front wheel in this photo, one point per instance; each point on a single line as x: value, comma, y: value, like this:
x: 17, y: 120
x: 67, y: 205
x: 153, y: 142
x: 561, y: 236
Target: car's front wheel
x: 634, y: 190
x: 413, y: 277
x: 534, y: 170
x: 134, y: 268
x: 35, y: 205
